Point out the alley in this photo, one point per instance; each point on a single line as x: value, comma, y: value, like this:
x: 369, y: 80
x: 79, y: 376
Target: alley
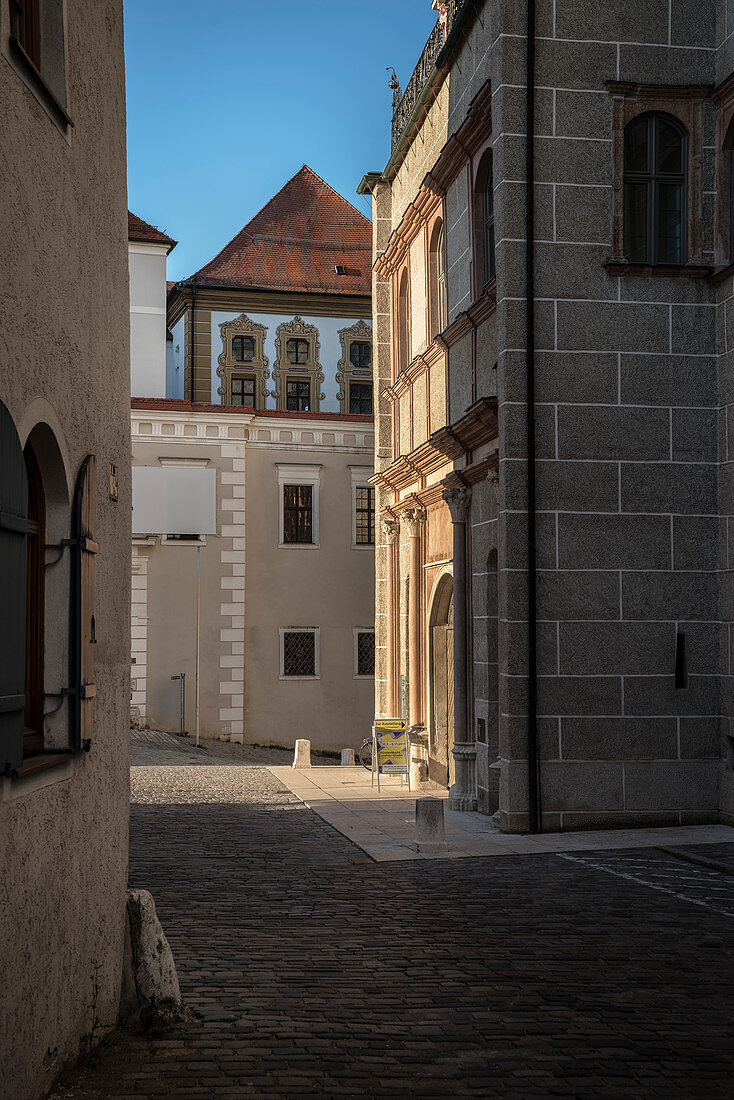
x: 313, y: 970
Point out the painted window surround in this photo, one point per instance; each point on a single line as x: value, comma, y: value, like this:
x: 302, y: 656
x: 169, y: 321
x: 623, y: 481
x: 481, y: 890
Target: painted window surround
x: 359, y: 333
x: 311, y: 370
x: 229, y: 367
x: 291, y: 473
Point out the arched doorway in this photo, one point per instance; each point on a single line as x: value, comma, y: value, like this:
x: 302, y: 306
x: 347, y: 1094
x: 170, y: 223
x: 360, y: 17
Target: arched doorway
x: 440, y: 758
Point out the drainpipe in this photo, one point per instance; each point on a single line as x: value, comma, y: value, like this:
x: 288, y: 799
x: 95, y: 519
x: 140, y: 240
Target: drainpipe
x: 534, y: 805
x: 191, y: 341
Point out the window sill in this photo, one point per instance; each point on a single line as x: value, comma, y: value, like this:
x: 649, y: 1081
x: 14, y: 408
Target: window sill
x: 37, y: 772
x: 363, y: 676
x: 299, y: 546
x: 721, y: 273
x: 658, y: 271
x: 40, y: 87
x: 299, y: 677
x: 363, y: 546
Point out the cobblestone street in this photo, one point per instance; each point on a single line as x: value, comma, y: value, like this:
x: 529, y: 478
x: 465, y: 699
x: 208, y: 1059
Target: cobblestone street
x: 313, y: 970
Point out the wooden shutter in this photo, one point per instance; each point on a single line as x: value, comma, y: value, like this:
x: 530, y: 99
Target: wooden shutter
x: 83, y: 625
x: 13, y: 529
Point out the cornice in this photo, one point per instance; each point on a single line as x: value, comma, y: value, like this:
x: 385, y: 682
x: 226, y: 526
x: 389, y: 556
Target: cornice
x: 416, y: 215
x: 470, y: 318
x: 478, y: 425
x: 724, y: 92
x: 290, y: 303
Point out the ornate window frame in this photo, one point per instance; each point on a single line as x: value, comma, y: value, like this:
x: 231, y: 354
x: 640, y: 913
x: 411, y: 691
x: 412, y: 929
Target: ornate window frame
x: 684, y: 103
x: 361, y: 333
x: 283, y: 371
x: 229, y: 367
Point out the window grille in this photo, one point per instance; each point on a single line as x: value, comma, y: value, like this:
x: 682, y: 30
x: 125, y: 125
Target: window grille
x: 360, y: 397
x: 298, y: 513
x: 299, y: 653
x: 365, y: 515
x: 365, y: 653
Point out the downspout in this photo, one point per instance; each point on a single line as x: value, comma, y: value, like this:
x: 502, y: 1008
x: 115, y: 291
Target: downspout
x: 191, y: 342
x: 534, y: 805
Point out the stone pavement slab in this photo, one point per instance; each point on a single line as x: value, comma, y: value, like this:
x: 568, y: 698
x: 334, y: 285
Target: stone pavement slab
x: 383, y: 824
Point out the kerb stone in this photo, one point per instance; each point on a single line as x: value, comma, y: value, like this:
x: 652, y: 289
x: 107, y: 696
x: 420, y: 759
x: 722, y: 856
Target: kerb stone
x: 430, y: 832
x: 348, y: 760
x: 302, y: 758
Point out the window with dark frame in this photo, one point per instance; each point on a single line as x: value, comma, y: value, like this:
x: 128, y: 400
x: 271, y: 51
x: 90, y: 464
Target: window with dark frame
x: 365, y: 515
x: 25, y: 27
x: 35, y: 609
x: 243, y: 349
x: 299, y: 653
x: 488, y: 223
x: 297, y: 351
x: 360, y: 398
x: 298, y: 514
x: 298, y: 395
x: 243, y: 391
x: 440, y: 283
x: 654, y: 190
x: 484, y: 258
x: 365, y: 653
x: 360, y: 354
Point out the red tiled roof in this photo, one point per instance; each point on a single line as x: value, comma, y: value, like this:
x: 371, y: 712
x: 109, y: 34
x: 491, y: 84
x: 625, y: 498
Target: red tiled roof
x: 176, y: 404
x: 170, y: 284
x: 296, y: 242
x: 138, y: 230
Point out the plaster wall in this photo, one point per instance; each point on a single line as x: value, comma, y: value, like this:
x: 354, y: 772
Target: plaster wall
x: 175, y: 361
x: 147, y: 320
x: 63, y: 835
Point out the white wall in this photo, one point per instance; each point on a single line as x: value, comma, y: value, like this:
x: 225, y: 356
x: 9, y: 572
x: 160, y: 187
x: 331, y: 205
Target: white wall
x: 330, y: 351
x: 147, y: 319
x: 175, y: 361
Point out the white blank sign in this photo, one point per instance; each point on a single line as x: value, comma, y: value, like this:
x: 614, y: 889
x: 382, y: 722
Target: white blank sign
x: 174, y: 501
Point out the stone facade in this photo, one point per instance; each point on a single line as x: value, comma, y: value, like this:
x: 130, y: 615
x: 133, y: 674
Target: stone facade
x: 598, y: 679
x: 64, y: 360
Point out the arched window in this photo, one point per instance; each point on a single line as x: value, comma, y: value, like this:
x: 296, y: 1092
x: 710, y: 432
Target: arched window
x: 654, y: 191
x: 437, y: 304
x: 403, y: 333
x: 35, y: 607
x: 484, y: 265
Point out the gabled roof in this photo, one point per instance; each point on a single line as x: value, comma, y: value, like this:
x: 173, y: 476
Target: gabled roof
x: 296, y: 242
x: 138, y: 230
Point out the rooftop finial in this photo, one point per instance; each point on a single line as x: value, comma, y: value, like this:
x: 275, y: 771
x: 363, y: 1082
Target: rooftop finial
x: 395, y: 85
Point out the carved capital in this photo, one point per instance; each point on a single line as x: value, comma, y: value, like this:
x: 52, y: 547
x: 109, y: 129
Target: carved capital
x: 391, y: 527
x: 493, y: 477
x: 414, y: 517
x: 458, y: 502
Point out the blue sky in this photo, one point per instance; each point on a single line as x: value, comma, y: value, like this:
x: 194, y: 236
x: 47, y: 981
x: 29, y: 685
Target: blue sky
x: 226, y: 101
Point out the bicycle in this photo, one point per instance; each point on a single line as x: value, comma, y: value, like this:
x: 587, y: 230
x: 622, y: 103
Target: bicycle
x: 364, y: 754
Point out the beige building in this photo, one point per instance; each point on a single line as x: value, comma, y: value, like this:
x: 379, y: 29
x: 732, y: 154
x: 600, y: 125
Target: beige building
x: 261, y: 485
x: 64, y: 532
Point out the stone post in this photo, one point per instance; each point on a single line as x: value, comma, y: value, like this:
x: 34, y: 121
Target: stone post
x: 414, y: 518
x: 391, y: 528
x: 462, y: 793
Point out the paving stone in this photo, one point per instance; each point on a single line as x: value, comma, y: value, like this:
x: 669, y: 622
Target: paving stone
x: 604, y: 974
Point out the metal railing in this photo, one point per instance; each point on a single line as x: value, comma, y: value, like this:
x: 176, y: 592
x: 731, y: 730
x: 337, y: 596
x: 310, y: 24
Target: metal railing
x: 404, y: 102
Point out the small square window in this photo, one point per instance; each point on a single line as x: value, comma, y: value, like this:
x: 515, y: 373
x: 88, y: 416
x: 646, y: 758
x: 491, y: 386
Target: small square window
x: 243, y: 349
x: 297, y: 351
x: 243, y: 391
x: 360, y: 354
x: 299, y: 653
x: 360, y: 398
x: 298, y: 396
x: 365, y: 653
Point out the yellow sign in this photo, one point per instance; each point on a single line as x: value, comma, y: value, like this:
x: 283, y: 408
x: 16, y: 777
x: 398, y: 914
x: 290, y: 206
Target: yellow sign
x: 391, y: 738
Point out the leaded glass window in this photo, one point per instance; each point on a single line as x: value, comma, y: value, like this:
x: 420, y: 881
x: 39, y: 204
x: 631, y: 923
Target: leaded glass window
x: 365, y: 515
x: 299, y: 653
x: 298, y: 513
x: 654, y: 191
x: 297, y: 351
x: 243, y: 349
x: 243, y: 391
x: 298, y: 395
x: 365, y: 653
x: 360, y: 354
x: 360, y: 398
